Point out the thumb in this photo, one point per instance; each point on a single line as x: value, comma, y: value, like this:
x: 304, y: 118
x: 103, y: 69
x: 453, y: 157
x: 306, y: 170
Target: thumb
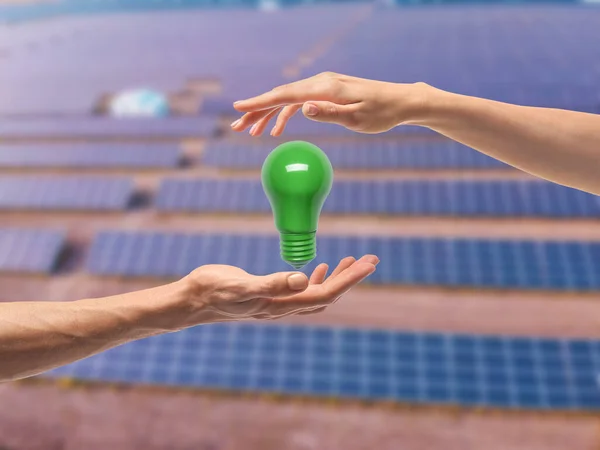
x: 279, y: 284
x: 328, y: 112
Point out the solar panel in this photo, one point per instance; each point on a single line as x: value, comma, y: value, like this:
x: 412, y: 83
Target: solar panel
x: 371, y: 154
x: 29, y: 250
x: 497, y: 264
x: 381, y: 197
x: 68, y: 193
x: 418, y: 368
x: 98, y: 127
x: 90, y: 155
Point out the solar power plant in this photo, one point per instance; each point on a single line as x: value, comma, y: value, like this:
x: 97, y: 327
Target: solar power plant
x: 466, y: 242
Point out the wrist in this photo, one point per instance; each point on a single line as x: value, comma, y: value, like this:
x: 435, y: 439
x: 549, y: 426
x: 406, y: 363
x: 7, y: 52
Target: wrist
x: 425, y: 104
x: 188, y: 303
x: 182, y: 305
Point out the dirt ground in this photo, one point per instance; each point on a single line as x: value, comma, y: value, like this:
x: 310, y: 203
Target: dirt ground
x: 99, y: 418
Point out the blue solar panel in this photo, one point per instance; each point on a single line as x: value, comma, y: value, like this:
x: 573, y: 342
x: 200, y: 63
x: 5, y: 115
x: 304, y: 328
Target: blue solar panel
x: 367, y: 154
x: 435, y: 198
x: 497, y: 264
x: 92, y: 127
x: 29, y: 250
x: 418, y: 368
x: 90, y: 155
x: 69, y: 193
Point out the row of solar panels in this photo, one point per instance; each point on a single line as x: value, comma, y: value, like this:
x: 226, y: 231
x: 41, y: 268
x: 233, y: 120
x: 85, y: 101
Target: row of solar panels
x: 172, y: 127
x: 504, y: 264
x: 90, y: 155
x: 380, y: 197
x: 68, y: 193
x: 421, y: 368
x: 434, y: 197
x: 358, y: 154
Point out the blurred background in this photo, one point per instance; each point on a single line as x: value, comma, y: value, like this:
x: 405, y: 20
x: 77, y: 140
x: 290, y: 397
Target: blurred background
x: 118, y: 171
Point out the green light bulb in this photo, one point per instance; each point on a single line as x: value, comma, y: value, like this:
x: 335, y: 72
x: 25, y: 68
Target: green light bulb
x: 297, y: 177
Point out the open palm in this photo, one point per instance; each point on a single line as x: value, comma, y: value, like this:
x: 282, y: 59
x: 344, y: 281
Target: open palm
x: 235, y: 294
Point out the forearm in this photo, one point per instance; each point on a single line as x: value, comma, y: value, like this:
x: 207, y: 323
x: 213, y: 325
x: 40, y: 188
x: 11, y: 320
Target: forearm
x: 35, y: 337
x: 38, y: 336
x: 558, y: 145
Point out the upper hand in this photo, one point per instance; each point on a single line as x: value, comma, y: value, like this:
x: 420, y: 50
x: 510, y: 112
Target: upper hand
x: 361, y: 105
x: 221, y: 293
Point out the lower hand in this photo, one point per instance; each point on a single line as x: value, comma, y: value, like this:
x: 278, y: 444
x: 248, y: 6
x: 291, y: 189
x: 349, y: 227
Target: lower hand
x: 361, y: 105
x: 217, y: 293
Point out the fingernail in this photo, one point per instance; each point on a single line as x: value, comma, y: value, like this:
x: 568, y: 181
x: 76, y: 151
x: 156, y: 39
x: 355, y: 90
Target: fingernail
x: 253, y: 128
x: 238, y: 102
x: 311, y: 110
x: 273, y: 131
x: 236, y: 123
x: 297, y: 282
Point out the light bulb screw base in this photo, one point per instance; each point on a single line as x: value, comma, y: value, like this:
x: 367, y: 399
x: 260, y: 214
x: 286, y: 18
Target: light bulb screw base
x: 298, y: 249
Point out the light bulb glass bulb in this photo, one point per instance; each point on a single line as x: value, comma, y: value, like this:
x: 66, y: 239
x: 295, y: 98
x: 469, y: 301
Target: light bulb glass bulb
x: 297, y: 177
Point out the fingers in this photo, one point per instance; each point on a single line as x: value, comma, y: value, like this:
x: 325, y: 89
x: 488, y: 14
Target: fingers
x: 277, y: 285
x: 326, y: 293
x: 346, y: 280
x: 319, y: 274
x: 343, y: 265
x: 258, y: 128
x: 260, y: 119
x: 321, y: 87
x: 373, y: 259
x: 327, y: 112
x: 250, y: 119
x: 348, y: 261
x: 284, y: 117
x: 286, y: 114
